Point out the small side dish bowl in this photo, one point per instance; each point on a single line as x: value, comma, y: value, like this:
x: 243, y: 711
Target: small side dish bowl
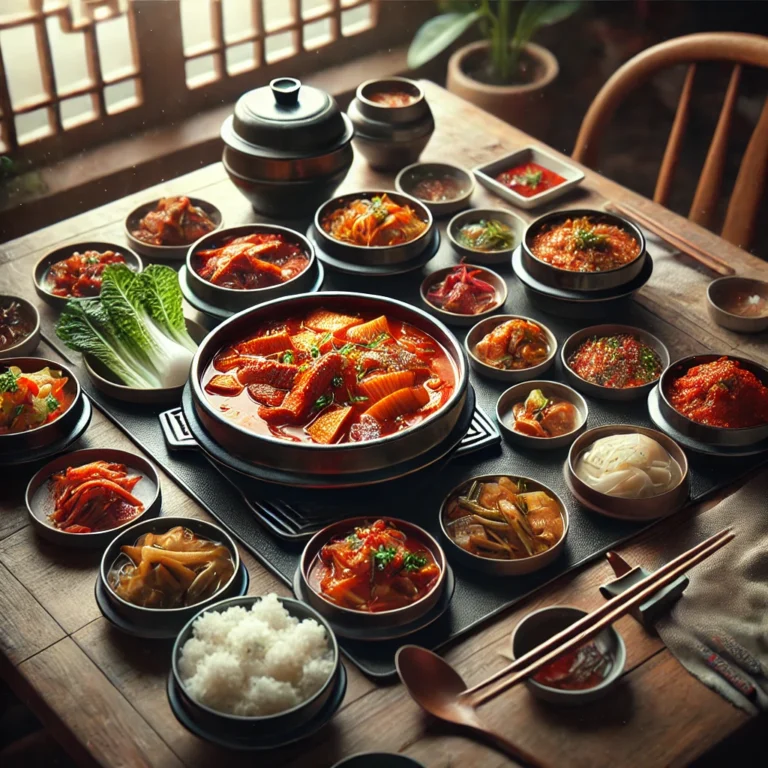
x: 704, y: 433
x: 575, y: 340
x: 486, y: 175
x: 499, y: 567
x: 372, y: 621
x: 39, y: 499
x: 484, y: 327
x: 474, y: 215
x: 539, y: 626
x: 43, y: 266
x: 258, y: 726
x: 170, y: 619
x: 568, y: 279
x: 739, y: 304
x: 378, y: 760
x: 411, y: 176
x: 649, y: 508
x: 28, y: 342
x: 165, y: 252
x: 518, y: 393
x: 454, y: 318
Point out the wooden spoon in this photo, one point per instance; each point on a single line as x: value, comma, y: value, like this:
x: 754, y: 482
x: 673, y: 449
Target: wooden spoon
x: 436, y: 686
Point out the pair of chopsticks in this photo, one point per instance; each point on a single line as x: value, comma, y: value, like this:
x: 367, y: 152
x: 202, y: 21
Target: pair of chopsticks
x: 697, y: 254
x: 594, y: 623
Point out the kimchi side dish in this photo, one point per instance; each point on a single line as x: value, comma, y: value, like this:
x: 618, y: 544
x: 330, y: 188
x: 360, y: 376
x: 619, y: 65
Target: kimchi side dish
x: 618, y: 362
x: 31, y: 400
x: 513, y: 345
x: 79, y: 276
x: 174, y: 221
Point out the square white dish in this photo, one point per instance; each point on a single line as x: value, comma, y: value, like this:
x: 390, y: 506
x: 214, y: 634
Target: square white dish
x: 486, y: 175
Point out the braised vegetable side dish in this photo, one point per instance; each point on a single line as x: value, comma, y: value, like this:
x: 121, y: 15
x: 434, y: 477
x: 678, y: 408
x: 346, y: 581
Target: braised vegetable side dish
x: 253, y: 261
x: 175, y: 221
x: 439, y: 190
x: 503, y: 520
x: 584, y: 667
x: 374, y: 568
x: 171, y: 570
x: 619, y: 361
x: 463, y: 292
x: 529, y: 179
x: 377, y: 222
x: 330, y: 377
x: 94, y: 497
x: 513, y: 345
x: 80, y: 274
x: 721, y: 394
x: 486, y: 235
x: 31, y: 400
x: 392, y: 98
x: 582, y: 245
x: 14, y: 326
x: 542, y: 416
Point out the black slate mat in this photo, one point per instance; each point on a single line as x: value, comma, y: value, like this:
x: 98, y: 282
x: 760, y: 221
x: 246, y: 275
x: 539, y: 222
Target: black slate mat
x: 477, y: 597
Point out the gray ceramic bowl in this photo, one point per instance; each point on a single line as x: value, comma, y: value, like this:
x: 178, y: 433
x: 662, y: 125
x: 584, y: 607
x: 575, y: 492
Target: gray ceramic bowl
x: 476, y: 214
x: 582, y: 281
x: 235, y: 300
x: 724, y: 292
x: 41, y: 269
x: 484, y: 327
x: 453, y: 318
x: 172, y: 619
x: 737, y: 437
x: 573, y: 342
x: 628, y: 509
x: 540, y: 625
x: 488, y: 564
x: 373, y: 255
x: 411, y: 175
x: 165, y: 252
x: 253, y: 727
x: 518, y: 393
x: 29, y: 343
x: 357, y: 620
x: 40, y: 502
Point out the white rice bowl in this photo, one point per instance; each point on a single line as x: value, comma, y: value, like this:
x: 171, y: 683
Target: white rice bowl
x: 255, y: 662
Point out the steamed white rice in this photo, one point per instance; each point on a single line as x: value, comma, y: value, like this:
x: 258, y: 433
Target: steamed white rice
x: 255, y: 662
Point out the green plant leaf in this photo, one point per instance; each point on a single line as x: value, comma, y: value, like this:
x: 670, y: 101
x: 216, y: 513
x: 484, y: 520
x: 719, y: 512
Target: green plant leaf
x: 537, y: 14
x: 437, y: 34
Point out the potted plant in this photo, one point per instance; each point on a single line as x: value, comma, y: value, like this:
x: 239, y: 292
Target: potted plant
x: 505, y: 73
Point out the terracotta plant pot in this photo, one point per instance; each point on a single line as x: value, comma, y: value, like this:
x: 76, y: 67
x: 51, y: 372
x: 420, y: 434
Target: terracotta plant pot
x: 524, y: 105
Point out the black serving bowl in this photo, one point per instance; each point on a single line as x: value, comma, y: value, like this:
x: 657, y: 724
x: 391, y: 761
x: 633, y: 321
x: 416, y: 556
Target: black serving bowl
x: 235, y: 300
x: 407, y: 180
x: 267, y: 725
x: 573, y: 342
x: 165, y: 252
x: 48, y: 433
x: 378, y: 760
x: 322, y: 461
x: 39, y: 499
x: 582, y: 281
x: 29, y: 343
x: 164, y: 619
x: 43, y: 266
x: 719, y: 436
x: 380, y: 254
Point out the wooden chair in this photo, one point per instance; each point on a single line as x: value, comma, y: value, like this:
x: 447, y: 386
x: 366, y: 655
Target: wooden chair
x: 740, y: 50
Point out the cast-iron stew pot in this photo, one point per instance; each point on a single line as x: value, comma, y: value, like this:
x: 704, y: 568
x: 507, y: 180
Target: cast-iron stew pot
x: 344, y: 458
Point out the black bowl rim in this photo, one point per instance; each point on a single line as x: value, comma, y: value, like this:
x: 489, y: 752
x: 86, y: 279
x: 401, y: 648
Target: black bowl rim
x: 720, y: 281
x: 250, y: 600
x: 352, y: 522
x: 367, y: 84
x: 476, y: 211
x: 29, y: 308
x: 619, y: 221
x: 365, y: 194
x: 169, y: 522
x: 407, y: 174
x: 432, y: 278
x: 44, y: 474
x: 461, y: 382
x: 687, y: 363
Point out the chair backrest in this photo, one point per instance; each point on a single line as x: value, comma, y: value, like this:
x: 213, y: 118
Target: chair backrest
x: 736, y: 48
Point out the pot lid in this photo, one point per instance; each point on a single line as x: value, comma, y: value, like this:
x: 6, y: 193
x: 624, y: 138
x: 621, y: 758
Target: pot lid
x: 288, y: 116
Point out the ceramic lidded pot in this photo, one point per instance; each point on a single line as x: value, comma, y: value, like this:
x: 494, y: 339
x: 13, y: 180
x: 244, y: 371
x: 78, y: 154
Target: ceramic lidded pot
x: 393, y: 122
x: 287, y: 147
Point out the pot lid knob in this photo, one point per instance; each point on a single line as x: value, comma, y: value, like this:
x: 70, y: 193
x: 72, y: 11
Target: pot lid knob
x: 286, y: 90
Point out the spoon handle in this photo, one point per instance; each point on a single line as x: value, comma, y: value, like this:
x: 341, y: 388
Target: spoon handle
x: 519, y: 754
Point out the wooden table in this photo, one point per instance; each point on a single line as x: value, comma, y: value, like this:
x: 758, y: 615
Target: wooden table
x: 102, y: 694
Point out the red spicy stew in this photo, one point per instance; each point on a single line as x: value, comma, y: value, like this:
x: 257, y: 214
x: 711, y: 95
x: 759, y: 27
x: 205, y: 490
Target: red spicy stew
x: 331, y: 377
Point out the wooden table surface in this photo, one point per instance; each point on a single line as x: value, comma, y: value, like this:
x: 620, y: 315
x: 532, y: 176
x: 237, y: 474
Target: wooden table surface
x: 102, y: 694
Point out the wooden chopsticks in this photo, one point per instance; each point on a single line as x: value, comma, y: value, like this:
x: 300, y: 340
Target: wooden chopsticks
x: 706, y: 259
x: 594, y: 623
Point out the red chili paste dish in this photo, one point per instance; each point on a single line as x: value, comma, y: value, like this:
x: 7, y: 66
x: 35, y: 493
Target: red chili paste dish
x: 529, y: 179
x: 618, y: 362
